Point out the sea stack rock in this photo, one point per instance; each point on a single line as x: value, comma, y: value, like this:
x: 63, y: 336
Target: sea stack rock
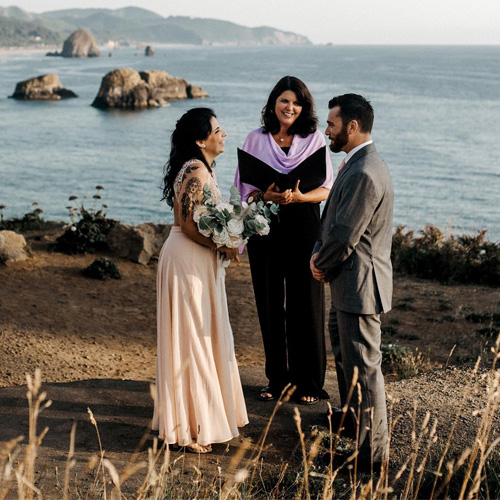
x: 42, y: 88
x: 125, y: 88
x: 80, y: 44
x: 149, y: 51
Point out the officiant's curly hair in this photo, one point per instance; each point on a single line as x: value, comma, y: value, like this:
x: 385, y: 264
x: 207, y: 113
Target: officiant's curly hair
x: 192, y: 126
x: 307, y: 121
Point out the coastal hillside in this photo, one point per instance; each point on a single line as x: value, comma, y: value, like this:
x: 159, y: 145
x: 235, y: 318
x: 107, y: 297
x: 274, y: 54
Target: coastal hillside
x: 132, y: 25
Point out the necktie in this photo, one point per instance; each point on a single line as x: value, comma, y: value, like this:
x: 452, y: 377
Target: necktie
x: 342, y: 165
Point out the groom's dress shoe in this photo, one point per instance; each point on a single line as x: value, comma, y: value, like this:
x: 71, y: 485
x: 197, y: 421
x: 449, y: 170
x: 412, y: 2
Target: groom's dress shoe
x: 348, y: 429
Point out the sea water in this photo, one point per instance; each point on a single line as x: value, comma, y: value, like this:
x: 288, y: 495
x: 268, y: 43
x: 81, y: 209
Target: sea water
x: 437, y: 125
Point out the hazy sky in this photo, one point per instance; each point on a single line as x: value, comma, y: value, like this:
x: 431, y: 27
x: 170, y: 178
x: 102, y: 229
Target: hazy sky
x: 339, y: 22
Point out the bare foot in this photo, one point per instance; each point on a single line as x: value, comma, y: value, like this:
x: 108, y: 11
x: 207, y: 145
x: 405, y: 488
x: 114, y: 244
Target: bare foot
x: 194, y: 447
x: 308, y: 400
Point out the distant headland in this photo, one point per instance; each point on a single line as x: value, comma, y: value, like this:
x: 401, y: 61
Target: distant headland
x: 130, y: 26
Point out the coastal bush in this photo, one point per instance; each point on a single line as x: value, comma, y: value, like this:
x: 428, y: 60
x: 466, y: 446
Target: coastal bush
x: 88, y: 230
x: 31, y: 221
x: 402, y: 361
x: 459, y: 259
x: 102, y: 269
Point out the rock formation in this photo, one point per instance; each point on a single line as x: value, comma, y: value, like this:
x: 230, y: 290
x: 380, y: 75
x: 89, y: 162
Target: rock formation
x: 138, y: 243
x: 44, y: 87
x: 125, y: 88
x: 80, y: 44
x: 149, y: 51
x: 12, y: 247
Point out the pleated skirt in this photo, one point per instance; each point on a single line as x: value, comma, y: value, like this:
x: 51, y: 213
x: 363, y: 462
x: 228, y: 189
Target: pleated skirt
x: 198, y: 389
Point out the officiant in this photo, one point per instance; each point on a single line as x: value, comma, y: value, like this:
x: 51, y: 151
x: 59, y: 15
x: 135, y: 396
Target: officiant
x: 286, y: 161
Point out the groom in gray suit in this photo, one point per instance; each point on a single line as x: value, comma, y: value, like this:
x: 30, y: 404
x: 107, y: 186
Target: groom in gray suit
x: 354, y: 256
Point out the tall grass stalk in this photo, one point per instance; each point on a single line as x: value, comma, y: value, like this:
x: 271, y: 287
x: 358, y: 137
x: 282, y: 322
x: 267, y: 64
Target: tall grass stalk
x: 162, y: 478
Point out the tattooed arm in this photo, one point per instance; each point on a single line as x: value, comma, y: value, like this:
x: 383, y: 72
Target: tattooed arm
x: 190, y: 196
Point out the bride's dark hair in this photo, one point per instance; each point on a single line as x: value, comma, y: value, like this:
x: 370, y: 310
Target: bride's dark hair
x: 192, y: 126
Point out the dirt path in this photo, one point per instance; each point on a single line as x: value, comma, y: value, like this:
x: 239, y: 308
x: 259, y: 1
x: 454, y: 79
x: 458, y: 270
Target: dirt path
x: 95, y: 343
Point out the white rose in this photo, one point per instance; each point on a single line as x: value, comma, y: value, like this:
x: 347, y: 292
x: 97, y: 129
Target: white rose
x: 235, y: 227
x: 235, y: 242
x: 224, y: 205
x: 264, y: 231
x: 200, y: 211
x: 260, y: 219
x: 221, y: 238
x: 205, y: 232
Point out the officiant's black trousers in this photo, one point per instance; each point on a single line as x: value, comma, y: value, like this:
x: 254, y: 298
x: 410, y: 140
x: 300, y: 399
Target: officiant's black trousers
x: 290, y: 302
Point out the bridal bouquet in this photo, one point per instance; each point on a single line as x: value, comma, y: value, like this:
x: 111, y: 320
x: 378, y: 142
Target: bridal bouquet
x: 231, y: 223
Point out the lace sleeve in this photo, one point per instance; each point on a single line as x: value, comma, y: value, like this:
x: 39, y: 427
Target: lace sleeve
x: 181, y: 176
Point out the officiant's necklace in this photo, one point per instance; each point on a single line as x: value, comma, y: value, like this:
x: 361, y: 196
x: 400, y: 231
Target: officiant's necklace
x: 281, y: 139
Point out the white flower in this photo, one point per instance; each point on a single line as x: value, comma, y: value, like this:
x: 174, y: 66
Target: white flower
x: 244, y: 205
x: 200, y: 211
x: 224, y: 205
x: 205, y: 232
x: 235, y: 227
x: 221, y: 238
x: 235, y: 242
x: 260, y: 219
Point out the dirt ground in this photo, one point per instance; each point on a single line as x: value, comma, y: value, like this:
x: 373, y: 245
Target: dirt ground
x: 95, y: 343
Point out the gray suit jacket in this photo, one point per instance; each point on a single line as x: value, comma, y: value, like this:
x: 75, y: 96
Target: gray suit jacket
x: 355, y: 250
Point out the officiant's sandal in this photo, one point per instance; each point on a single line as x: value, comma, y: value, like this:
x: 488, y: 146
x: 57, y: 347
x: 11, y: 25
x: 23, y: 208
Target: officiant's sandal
x: 266, y: 394
x: 308, y: 400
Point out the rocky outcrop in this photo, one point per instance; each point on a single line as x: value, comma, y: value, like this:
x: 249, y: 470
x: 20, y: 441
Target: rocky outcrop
x: 125, y: 88
x: 195, y: 92
x: 80, y: 44
x: 44, y: 87
x: 138, y: 243
x: 149, y: 51
x: 12, y: 247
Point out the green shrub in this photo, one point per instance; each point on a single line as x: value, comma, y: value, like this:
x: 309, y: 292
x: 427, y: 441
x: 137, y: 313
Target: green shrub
x: 102, y: 269
x: 88, y: 230
x: 463, y: 259
x: 402, y: 361
x: 31, y: 221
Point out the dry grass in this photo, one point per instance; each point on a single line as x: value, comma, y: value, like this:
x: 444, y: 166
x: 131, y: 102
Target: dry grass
x: 421, y: 475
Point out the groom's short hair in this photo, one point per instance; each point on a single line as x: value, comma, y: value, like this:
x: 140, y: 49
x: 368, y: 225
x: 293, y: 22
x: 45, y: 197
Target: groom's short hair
x: 354, y: 107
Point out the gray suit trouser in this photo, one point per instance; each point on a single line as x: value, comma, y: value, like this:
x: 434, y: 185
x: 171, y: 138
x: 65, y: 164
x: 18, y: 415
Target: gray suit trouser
x: 356, y: 341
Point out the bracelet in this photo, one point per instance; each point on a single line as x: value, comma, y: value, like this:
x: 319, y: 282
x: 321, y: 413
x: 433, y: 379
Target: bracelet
x: 259, y: 196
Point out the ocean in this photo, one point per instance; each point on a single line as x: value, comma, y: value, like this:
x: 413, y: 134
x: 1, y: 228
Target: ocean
x: 437, y: 125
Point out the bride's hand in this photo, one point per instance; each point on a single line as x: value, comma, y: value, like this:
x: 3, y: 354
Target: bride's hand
x: 229, y: 253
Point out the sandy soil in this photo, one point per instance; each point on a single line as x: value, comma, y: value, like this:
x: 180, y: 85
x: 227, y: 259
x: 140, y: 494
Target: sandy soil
x: 95, y: 343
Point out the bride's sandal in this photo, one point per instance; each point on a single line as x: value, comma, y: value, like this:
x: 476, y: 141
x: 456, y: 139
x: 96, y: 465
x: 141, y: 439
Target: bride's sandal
x: 194, y: 447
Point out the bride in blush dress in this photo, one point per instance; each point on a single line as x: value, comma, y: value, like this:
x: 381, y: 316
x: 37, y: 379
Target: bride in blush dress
x: 199, y: 398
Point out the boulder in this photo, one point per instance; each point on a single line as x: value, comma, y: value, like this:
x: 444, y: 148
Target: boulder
x: 44, y: 87
x: 125, y: 88
x: 165, y: 86
x: 80, y: 44
x: 149, y: 51
x: 12, y: 247
x: 195, y: 92
x: 138, y: 243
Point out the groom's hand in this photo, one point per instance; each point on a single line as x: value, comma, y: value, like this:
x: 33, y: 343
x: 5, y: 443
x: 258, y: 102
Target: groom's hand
x: 317, y: 273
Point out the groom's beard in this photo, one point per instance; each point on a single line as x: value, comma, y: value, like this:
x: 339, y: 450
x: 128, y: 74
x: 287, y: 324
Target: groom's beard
x: 339, y: 141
